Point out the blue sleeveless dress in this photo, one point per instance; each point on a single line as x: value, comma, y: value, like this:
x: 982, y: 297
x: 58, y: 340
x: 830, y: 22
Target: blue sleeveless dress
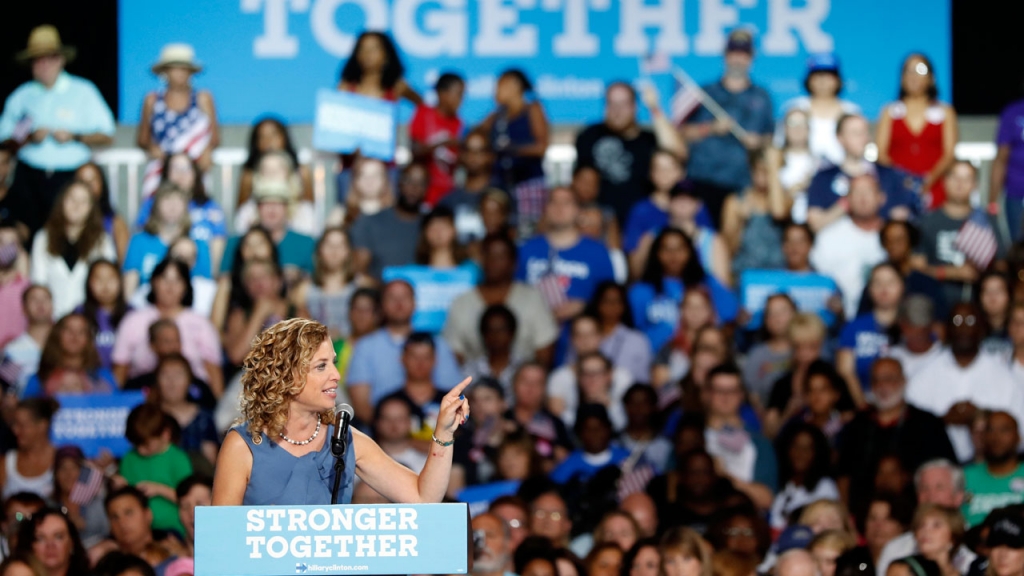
x: 279, y: 478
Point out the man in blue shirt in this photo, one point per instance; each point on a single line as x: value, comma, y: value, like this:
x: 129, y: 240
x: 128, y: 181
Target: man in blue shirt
x: 53, y: 119
x: 718, y: 159
x: 565, y: 266
x: 294, y: 250
x: 826, y: 195
x: 376, y: 369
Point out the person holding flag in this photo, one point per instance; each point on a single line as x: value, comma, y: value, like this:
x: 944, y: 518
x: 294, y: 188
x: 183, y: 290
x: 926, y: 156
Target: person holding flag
x: 735, y: 116
x: 957, y: 241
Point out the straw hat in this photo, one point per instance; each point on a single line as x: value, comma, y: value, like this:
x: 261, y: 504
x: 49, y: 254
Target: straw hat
x: 182, y: 55
x: 44, y: 41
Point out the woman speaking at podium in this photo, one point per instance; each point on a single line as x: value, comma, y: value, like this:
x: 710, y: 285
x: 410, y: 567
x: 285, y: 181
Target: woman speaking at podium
x: 281, y: 453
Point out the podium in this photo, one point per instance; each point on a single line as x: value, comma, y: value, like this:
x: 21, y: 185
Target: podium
x: 341, y: 539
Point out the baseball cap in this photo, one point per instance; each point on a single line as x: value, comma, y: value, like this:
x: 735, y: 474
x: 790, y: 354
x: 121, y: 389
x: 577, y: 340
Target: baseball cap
x: 740, y: 40
x: 823, y: 62
x: 794, y: 537
x: 1007, y: 531
x: 264, y: 190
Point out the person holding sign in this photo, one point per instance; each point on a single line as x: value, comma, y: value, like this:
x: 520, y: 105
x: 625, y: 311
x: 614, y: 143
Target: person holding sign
x: 282, y: 456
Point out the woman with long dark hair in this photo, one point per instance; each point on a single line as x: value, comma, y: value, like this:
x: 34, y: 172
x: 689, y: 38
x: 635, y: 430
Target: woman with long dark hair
x: 115, y: 226
x: 70, y: 363
x: 270, y: 134
x: 805, y: 472
x: 29, y: 466
x: 170, y: 298
x: 53, y: 538
x: 104, y: 306
x: 519, y: 132
x: 621, y: 342
x: 263, y: 282
x: 76, y: 491
x: 72, y: 237
x: 672, y: 268
x: 254, y: 244
x: 918, y: 132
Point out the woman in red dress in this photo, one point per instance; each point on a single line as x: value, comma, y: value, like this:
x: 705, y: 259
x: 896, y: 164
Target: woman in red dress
x: 918, y: 132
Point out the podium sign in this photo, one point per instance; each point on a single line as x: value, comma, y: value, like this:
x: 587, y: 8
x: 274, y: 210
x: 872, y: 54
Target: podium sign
x: 366, y: 539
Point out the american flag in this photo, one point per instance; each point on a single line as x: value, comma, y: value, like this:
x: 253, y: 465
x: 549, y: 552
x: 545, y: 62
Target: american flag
x: 685, y: 100
x: 634, y: 478
x: 656, y: 62
x: 977, y: 240
x: 552, y: 289
x: 88, y: 485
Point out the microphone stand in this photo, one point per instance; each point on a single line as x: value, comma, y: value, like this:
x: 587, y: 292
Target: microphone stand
x: 338, y: 447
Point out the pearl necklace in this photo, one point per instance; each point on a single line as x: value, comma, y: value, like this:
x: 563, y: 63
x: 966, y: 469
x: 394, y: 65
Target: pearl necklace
x: 304, y: 442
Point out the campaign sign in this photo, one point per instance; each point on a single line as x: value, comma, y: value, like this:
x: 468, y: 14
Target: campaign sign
x: 480, y: 496
x: 809, y: 291
x: 435, y: 289
x: 346, y: 122
x: 370, y: 539
x: 94, y: 421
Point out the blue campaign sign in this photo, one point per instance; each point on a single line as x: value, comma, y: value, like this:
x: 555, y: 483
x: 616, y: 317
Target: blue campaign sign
x: 370, y: 539
x: 273, y: 55
x: 480, y: 496
x: 94, y: 422
x: 810, y: 292
x: 347, y: 122
x: 435, y: 291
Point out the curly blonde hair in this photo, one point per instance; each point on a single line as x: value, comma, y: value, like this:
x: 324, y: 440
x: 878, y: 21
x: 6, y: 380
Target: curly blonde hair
x: 274, y: 371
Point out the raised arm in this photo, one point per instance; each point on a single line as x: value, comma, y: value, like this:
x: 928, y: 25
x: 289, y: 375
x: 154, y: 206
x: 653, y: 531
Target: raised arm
x: 399, y: 484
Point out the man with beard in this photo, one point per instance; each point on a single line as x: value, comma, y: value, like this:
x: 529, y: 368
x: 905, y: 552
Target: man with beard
x: 389, y: 237
x: 889, y: 426
x: 491, y: 551
x: 999, y: 480
x: 963, y: 380
x: 621, y: 151
x: 719, y: 163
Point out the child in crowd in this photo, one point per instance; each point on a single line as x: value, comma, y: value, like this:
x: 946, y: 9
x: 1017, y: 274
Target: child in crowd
x: 434, y: 135
x: 155, y: 464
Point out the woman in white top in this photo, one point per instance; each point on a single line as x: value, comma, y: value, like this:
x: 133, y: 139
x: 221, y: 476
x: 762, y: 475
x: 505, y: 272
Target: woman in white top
x: 804, y: 458
x: 29, y: 467
x: 72, y: 238
x: 824, y: 107
x: 792, y: 165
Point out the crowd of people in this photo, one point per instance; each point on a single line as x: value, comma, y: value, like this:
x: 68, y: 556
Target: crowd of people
x: 636, y: 408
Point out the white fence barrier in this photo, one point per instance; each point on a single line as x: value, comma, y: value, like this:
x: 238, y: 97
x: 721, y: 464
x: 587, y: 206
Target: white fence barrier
x: 124, y: 167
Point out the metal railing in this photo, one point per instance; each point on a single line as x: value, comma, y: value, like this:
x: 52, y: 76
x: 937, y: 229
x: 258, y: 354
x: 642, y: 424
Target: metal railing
x: 125, y: 166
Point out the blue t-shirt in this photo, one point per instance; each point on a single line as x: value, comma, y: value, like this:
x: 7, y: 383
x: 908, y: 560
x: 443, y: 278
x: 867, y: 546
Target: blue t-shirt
x: 831, y: 183
x: 868, y: 341
x: 579, y: 269
x: 723, y: 160
x: 576, y: 466
x: 657, y: 315
x: 146, y: 250
x: 647, y: 217
x: 208, y: 220
x: 294, y: 250
x: 377, y: 362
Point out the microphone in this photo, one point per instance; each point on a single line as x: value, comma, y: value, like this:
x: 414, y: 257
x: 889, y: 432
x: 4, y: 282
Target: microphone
x: 343, y: 418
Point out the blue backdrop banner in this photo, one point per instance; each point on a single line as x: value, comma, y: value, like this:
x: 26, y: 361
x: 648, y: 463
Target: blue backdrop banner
x: 371, y: 539
x: 94, y: 422
x: 273, y: 55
